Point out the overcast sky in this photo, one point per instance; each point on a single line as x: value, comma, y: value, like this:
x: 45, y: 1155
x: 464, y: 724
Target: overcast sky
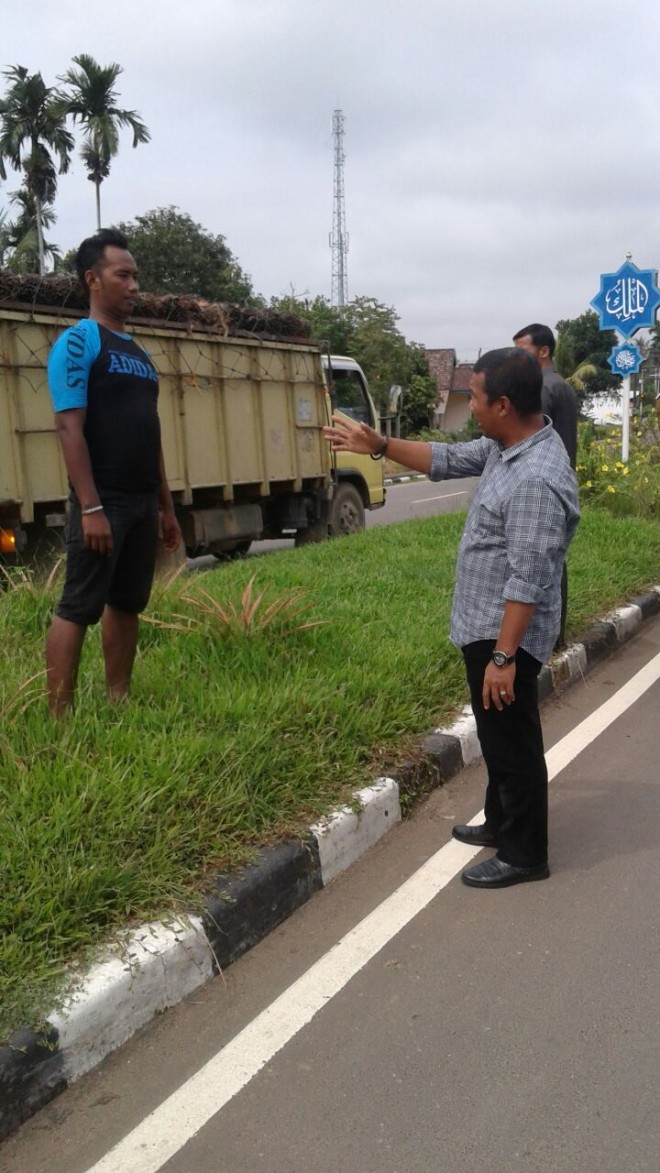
x: 500, y: 154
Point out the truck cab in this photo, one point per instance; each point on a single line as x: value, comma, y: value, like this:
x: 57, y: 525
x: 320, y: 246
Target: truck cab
x: 358, y: 479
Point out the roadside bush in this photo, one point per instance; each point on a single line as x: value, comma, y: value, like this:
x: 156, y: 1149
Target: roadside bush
x: 625, y: 489
x: 471, y: 431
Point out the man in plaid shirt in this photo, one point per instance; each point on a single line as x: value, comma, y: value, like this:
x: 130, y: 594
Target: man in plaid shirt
x: 507, y: 600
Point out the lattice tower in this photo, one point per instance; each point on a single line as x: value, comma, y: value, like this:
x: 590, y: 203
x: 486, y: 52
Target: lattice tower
x: 339, y: 235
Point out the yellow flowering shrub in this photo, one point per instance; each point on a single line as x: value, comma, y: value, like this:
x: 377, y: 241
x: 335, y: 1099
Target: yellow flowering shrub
x: 605, y: 479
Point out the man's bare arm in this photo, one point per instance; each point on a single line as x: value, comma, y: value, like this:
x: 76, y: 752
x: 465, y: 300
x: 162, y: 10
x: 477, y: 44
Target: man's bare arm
x: 347, y: 436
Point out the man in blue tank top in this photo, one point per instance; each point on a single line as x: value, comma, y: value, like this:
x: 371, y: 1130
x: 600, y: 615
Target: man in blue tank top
x: 105, y: 394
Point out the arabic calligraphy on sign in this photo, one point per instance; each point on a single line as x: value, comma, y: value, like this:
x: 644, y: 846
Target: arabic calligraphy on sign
x: 627, y: 299
x: 625, y: 359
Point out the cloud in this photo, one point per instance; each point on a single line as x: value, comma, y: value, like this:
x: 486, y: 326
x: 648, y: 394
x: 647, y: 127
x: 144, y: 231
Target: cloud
x: 499, y: 157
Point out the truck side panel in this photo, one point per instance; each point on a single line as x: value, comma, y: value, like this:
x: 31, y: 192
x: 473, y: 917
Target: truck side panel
x: 238, y: 414
x: 31, y: 468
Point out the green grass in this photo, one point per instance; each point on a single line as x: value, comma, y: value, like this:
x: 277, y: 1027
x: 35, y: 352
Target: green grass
x: 231, y: 739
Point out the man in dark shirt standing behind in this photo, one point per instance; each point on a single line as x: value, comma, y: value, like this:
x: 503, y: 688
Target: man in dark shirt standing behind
x: 105, y: 391
x: 559, y: 402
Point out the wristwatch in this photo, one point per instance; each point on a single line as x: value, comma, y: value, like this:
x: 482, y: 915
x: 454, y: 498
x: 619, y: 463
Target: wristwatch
x: 501, y: 659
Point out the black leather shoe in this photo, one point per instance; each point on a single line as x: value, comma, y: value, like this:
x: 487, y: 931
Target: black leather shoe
x: 474, y: 835
x: 494, y: 873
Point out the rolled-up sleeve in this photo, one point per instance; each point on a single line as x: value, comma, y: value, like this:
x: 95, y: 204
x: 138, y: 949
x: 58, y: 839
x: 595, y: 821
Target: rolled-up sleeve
x: 535, y: 526
x: 449, y: 461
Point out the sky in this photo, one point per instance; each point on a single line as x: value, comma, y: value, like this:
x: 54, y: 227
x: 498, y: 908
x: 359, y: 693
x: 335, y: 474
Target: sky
x: 499, y: 154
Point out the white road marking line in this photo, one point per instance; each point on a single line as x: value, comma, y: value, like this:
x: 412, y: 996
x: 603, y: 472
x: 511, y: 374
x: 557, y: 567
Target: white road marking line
x: 177, y: 1120
x: 440, y: 497
x: 588, y: 730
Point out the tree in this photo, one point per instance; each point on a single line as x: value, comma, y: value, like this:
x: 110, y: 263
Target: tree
x: 331, y: 325
x: 419, y: 397
x: 176, y: 255
x: 4, y: 238
x: 20, y: 238
x: 32, y: 129
x: 581, y: 341
x: 575, y: 373
x: 367, y: 330
x: 646, y: 385
x: 91, y: 100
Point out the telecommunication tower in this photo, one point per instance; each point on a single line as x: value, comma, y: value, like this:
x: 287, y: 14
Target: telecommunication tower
x: 339, y: 235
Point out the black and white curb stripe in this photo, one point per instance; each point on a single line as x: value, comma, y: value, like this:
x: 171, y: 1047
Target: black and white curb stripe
x: 157, y: 965
x: 404, y: 478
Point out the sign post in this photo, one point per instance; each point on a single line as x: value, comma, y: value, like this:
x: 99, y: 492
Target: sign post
x: 627, y: 302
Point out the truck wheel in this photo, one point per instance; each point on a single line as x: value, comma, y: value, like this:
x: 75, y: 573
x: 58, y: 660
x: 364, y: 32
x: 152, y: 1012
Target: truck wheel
x: 237, y: 551
x: 44, y: 547
x: 347, y: 512
x: 316, y: 532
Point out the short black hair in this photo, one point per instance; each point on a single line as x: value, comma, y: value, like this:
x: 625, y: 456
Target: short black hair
x: 540, y: 336
x: 92, y: 248
x: 515, y: 373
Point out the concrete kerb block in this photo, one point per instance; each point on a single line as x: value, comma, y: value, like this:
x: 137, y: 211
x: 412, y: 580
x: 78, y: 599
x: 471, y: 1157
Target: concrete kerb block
x: 404, y: 479
x: 569, y: 666
x: 626, y: 620
x: 246, y: 905
x: 465, y: 729
x: 148, y: 970
x: 545, y: 683
x: 347, y: 834
x: 31, y: 1075
x: 648, y: 603
x: 600, y: 640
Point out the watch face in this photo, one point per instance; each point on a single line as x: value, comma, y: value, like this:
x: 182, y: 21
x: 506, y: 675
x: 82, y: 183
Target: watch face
x: 500, y: 659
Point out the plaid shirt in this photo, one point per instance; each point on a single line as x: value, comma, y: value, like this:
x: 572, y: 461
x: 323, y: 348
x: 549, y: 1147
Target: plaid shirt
x: 521, y: 521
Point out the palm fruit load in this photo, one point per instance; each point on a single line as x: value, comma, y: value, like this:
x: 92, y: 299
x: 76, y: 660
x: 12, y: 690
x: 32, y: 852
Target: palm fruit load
x: 63, y: 291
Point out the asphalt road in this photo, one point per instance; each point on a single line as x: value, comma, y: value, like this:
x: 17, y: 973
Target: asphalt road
x: 514, y: 1030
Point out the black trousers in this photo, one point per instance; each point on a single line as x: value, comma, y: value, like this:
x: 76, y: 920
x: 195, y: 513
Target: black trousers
x: 511, y: 741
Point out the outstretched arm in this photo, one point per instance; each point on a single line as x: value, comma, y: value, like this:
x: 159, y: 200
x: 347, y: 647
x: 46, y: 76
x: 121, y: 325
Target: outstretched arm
x: 347, y: 436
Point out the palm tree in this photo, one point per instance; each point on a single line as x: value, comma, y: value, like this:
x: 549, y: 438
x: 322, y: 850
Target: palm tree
x: 20, y: 236
x: 577, y: 374
x: 32, y: 129
x: 4, y: 241
x: 91, y: 99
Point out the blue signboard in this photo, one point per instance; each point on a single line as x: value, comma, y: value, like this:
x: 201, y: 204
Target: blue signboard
x: 625, y: 359
x: 628, y: 299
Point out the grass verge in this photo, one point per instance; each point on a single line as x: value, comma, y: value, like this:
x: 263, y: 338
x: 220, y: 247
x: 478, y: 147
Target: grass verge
x: 240, y: 729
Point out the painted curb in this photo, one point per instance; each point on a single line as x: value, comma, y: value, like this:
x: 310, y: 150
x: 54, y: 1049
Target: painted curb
x: 157, y: 965
x: 146, y: 971
x: 404, y: 478
x: 244, y: 907
x: 345, y: 835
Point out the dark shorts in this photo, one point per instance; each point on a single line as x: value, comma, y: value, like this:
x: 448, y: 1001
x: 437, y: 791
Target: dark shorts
x: 123, y: 580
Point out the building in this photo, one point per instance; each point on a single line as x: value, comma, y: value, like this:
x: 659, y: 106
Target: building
x: 453, y: 382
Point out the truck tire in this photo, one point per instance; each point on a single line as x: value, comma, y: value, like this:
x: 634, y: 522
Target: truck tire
x: 237, y: 551
x: 44, y: 547
x: 347, y: 515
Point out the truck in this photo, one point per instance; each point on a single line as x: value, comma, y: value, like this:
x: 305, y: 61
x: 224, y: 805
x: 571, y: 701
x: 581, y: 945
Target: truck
x: 241, y: 410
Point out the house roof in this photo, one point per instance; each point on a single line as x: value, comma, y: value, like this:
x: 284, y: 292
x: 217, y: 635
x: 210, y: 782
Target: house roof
x: 461, y: 377
x: 450, y: 376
